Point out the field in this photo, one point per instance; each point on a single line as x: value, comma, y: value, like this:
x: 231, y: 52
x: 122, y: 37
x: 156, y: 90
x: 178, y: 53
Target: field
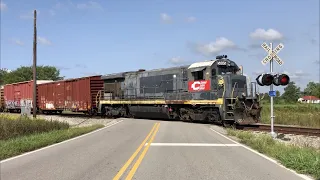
x: 21, y: 134
x: 293, y: 114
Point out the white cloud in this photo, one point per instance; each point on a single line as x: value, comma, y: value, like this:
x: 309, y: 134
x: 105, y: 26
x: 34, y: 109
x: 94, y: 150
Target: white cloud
x: 216, y: 47
x: 89, y: 5
x: 3, y: 6
x: 44, y: 41
x: 80, y: 6
x: 191, y: 19
x: 177, y: 60
x: 300, y: 73
x: 17, y: 42
x: 166, y: 18
x: 52, y: 12
x: 29, y: 15
x: 258, y: 72
x: 80, y: 66
x: 268, y: 35
x: 90, y: 73
x: 297, y: 75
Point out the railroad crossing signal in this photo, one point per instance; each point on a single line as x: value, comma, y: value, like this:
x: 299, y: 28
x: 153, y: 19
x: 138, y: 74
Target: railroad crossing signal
x: 272, y: 53
x: 277, y: 80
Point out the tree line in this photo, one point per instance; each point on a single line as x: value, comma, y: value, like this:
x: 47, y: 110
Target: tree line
x: 292, y: 93
x: 24, y: 73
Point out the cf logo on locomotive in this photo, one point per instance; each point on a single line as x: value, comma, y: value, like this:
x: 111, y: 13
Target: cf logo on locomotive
x: 199, y: 85
x: 196, y: 85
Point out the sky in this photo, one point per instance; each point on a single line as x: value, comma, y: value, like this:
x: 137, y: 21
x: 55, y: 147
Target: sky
x: 84, y: 38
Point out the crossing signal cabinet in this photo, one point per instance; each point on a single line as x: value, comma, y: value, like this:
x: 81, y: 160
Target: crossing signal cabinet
x: 277, y: 79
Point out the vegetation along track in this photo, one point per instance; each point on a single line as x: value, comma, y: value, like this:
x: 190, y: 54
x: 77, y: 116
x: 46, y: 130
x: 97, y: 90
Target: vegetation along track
x: 285, y: 129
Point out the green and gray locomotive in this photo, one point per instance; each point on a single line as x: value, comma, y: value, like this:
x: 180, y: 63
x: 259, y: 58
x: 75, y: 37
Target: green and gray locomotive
x: 214, y: 91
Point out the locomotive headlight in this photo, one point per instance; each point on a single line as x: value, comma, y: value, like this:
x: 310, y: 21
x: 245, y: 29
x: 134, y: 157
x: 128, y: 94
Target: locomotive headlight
x: 174, y: 76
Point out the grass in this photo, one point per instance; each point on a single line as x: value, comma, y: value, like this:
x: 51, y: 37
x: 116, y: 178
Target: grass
x: 15, y: 126
x: 19, y: 145
x: 22, y: 134
x: 303, y: 160
x: 293, y: 114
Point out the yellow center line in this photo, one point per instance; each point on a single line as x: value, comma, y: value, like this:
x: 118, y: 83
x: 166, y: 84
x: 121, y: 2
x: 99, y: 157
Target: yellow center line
x: 136, y: 165
x: 125, y: 166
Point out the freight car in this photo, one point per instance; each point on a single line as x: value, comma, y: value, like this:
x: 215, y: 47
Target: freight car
x: 19, y: 95
x: 212, y: 91
x: 76, y: 95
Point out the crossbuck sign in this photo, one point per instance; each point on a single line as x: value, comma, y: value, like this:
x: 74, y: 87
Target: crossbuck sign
x: 272, y: 53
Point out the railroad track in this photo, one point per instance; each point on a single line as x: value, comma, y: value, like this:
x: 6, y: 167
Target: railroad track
x: 285, y: 129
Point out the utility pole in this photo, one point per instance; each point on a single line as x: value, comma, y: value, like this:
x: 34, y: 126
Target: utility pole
x: 34, y: 102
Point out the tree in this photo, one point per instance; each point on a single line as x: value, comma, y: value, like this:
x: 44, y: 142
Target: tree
x: 2, y: 74
x: 312, y: 89
x: 291, y: 93
x: 25, y: 73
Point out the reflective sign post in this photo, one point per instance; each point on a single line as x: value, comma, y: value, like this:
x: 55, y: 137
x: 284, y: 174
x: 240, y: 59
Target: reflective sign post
x: 272, y: 54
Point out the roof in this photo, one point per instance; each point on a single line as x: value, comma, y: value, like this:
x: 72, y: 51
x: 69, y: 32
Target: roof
x: 201, y: 64
x: 25, y: 82
x: 310, y: 98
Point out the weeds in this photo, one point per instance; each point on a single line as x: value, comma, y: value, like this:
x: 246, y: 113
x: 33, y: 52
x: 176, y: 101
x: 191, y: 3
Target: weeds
x: 293, y: 114
x: 16, y: 146
x: 303, y: 160
x: 14, y: 126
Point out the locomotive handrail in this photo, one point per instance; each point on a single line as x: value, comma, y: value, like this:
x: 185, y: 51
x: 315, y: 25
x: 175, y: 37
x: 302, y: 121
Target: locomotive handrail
x: 98, y: 94
x: 233, y: 92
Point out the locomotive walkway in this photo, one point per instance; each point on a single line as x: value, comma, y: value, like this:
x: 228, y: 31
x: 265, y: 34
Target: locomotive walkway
x: 177, y: 151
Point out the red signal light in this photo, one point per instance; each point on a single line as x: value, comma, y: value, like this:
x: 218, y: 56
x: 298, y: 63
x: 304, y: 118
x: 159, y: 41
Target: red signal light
x: 281, y: 79
x: 284, y: 80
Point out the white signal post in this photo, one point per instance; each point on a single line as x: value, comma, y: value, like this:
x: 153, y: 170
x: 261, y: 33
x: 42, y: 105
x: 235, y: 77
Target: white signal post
x: 272, y: 54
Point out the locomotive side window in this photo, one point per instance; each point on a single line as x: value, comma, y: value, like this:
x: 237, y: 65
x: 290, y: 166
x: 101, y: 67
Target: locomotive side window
x: 198, y: 75
x: 213, y: 72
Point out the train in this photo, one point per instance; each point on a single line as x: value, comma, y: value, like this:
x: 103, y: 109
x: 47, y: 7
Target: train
x: 213, y: 91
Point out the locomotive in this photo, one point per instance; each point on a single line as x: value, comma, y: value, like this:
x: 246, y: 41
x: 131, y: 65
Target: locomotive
x: 214, y: 91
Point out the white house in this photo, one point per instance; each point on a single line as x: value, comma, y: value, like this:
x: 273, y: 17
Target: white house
x: 309, y: 99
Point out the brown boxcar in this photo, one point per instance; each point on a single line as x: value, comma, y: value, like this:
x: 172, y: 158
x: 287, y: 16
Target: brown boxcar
x: 19, y: 94
x: 77, y: 95
x: 50, y: 96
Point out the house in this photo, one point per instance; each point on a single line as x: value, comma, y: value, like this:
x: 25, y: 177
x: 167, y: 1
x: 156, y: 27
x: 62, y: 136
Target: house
x: 309, y: 99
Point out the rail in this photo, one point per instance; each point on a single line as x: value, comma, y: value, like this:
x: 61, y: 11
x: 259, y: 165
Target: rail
x: 285, y: 129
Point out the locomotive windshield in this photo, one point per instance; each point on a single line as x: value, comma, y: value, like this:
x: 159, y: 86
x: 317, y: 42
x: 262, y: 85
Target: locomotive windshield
x: 227, y: 70
x: 226, y: 67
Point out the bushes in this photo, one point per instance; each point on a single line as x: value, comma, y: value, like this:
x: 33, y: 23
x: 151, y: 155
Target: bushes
x: 11, y: 126
x: 293, y: 114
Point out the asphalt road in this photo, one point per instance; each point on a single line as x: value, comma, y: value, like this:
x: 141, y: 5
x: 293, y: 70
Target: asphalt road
x: 177, y: 151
